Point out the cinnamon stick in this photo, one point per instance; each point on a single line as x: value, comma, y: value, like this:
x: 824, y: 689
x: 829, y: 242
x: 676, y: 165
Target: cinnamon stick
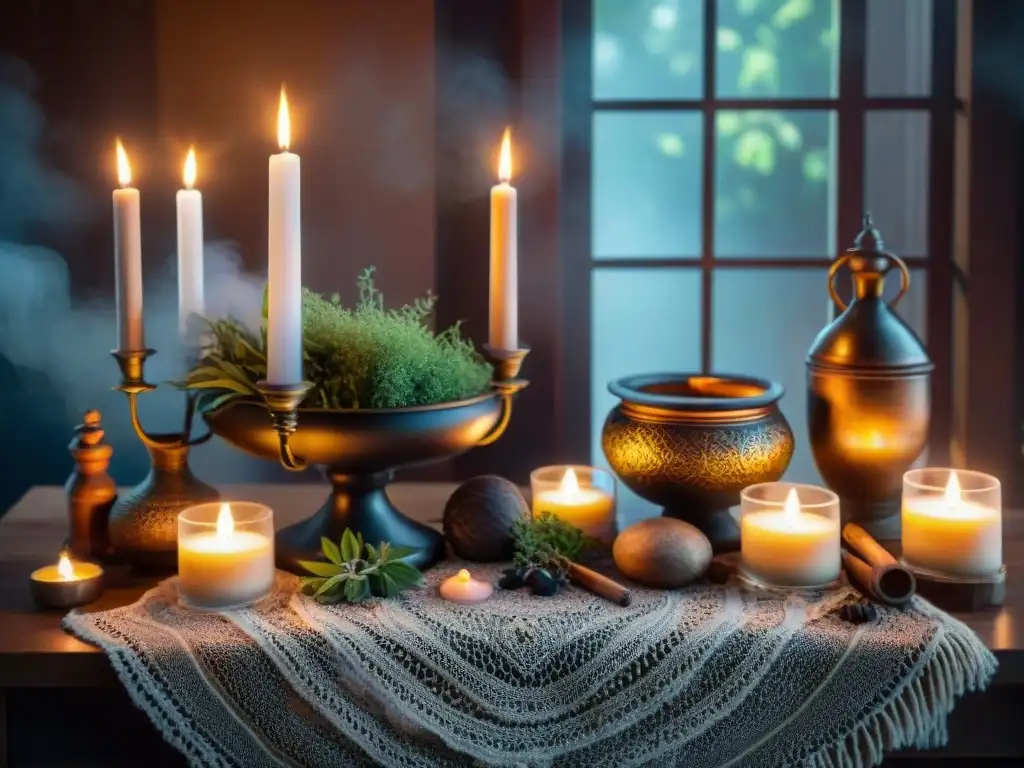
x: 865, y: 545
x: 599, y: 584
x: 878, y: 575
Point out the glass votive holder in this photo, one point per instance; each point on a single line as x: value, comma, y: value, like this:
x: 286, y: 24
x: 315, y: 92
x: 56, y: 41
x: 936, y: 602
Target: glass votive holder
x: 580, y: 495
x: 790, y: 535
x: 952, y: 522
x: 225, y: 554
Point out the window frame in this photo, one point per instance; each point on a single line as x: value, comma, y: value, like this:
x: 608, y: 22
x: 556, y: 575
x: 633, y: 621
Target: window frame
x: 851, y: 106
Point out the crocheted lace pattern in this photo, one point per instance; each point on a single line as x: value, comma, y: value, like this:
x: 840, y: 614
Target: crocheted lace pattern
x: 702, y: 677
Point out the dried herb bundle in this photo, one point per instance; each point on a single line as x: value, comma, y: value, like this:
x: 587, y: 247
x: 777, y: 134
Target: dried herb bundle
x: 366, y: 357
x: 547, y: 542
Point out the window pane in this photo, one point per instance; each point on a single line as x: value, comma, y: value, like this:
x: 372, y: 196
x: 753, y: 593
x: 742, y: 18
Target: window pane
x: 648, y: 49
x: 899, y: 48
x: 642, y: 320
x: 896, y: 178
x: 774, y: 183
x: 646, y: 184
x: 765, y: 321
x: 777, y: 48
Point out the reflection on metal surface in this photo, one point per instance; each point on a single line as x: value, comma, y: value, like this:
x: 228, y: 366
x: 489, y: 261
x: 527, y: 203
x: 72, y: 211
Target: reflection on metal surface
x: 690, y: 444
x: 1003, y: 631
x: 869, y: 392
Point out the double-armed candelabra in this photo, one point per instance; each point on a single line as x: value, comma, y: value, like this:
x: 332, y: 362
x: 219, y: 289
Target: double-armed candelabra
x: 359, y: 450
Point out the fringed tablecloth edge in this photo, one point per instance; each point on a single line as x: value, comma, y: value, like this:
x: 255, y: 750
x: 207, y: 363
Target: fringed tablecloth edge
x: 916, y: 718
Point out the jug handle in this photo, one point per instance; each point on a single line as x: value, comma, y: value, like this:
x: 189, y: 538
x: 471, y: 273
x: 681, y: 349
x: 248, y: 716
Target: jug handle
x: 896, y: 261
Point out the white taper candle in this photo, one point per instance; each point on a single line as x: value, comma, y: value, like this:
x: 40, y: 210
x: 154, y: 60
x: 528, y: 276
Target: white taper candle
x: 127, y: 258
x: 504, y: 295
x: 284, y: 321
x: 191, y: 298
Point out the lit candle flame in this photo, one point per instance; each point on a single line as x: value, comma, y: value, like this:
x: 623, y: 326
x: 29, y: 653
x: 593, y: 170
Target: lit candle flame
x: 569, y: 485
x: 463, y: 576
x: 505, y: 158
x: 225, y: 522
x: 791, y: 509
x: 188, y: 174
x: 953, y: 494
x: 65, y: 568
x: 284, y: 123
x: 124, y: 168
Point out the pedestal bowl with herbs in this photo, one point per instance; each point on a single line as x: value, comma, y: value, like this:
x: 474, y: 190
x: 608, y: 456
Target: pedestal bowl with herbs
x: 387, y: 393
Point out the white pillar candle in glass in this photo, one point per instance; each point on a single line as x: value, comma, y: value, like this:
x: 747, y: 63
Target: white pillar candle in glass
x: 952, y: 522
x: 127, y: 258
x: 504, y: 297
x: 190, y: 250
x: 790, y: 534
x: 225, y: 554
x: 284, y: 246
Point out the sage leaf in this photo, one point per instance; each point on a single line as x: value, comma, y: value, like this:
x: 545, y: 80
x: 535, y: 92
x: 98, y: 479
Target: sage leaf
x: 354, y: 590
x: 312, y: 582
x: 320, y: 568
x: 222, y: 384
x: 331, y: 551
x: 403, y: 574
x: 331, y: 583
x: 397, y: 553
x: 350, y: 549
x: 376, y: 582
x: 390, y: 587
x: 209, y: 401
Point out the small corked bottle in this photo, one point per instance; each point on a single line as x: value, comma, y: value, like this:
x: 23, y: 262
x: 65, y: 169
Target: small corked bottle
x: 91, y: 491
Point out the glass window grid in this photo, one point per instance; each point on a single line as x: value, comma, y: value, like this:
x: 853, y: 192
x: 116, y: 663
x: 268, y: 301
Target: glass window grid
x: 851, y: 106
x: 846, y: 105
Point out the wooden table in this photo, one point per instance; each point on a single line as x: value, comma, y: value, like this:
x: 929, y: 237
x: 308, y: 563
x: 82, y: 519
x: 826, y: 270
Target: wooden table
x: 43, y: 666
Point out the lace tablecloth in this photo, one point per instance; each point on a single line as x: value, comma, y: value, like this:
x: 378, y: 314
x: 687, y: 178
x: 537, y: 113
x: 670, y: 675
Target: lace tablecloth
x: 707, y: 676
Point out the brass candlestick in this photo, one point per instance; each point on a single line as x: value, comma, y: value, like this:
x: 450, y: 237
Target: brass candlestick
x: 283, y: 401
x: 506, y: 364
x: 143, y: 528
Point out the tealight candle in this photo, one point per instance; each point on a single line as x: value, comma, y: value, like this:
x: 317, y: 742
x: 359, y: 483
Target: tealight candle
x: 952, y: 522
x: 463, y: 588
x: 582, y: 496
x: 789, y: 534
x: 225, y: 554
x: 67, y: 584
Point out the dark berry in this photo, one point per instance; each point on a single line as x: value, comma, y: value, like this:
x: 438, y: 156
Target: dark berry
x: 512, y: 578
x: 541, y: 582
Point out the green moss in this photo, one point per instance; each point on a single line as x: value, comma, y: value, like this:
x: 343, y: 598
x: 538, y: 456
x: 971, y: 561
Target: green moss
x: 366, y: 357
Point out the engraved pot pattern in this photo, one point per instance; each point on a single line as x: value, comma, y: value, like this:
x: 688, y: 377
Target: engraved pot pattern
x: 691, y: 444
x: 661, y: 461
x: 145, y: 520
